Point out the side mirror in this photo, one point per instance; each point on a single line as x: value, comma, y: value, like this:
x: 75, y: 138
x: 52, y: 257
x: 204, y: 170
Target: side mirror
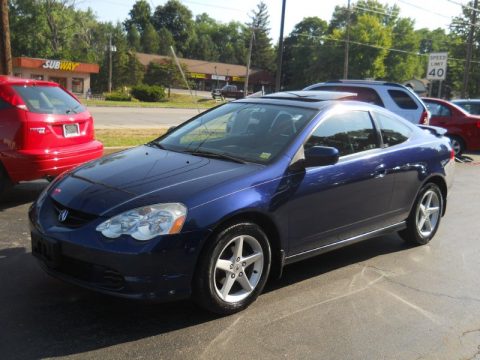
x: 321, y: 156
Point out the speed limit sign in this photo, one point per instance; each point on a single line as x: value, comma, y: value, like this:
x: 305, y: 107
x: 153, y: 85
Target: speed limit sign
x: 437, y: 66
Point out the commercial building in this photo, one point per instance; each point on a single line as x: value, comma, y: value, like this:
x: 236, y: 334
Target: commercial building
x: 74, y: 76
x: 208, y: 75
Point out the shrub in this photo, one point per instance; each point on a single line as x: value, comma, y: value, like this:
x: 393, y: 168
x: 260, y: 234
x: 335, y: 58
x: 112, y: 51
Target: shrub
x: 148, y: 93
x: 118, y: 96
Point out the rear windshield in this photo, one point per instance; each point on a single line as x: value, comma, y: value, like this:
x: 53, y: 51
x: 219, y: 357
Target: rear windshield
x: 48, y: 100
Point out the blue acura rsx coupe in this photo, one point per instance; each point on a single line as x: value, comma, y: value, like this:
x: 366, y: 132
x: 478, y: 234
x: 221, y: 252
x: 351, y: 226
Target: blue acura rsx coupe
x: 216, y: 205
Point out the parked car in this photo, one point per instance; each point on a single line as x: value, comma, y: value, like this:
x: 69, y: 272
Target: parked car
x: 472, y: 106
x: 210, y: 210
x: 395, y: 97
x: 228, y: 91
x: 44, y: 131
x: 462, y: 128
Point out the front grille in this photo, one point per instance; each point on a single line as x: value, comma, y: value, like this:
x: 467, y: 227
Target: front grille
x: 74, y: 218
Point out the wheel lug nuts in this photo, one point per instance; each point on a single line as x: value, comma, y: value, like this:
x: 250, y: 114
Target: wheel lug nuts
x: 244, y: 263
x: 241, y: 274
x: 238, y: 259
x: 233, y: 276
x: 231, y: 266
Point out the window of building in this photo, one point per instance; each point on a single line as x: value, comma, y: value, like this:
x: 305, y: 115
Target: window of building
x: 403, y: 100
x: 393, y: 131
x: 36, y: 76
x: 59, y: 80
x: 77, y: 85
x: 350, y: 133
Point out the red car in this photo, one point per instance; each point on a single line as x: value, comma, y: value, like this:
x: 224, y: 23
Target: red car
x: 44, y: 131
x: 462, y: 128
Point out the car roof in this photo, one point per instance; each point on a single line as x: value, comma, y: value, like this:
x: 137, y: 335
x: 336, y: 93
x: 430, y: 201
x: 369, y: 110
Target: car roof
x: 12, y: 80
x: 312, y: 99
x: 360, y: 83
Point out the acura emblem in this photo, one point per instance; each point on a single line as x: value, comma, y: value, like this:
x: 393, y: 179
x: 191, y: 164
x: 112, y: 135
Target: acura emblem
x: 62, y: 215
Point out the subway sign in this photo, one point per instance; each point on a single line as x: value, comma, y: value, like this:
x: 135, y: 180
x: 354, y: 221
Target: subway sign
x: 60, y: 65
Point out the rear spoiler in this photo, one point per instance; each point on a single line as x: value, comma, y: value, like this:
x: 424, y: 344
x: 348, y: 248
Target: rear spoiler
x: 434, y: 130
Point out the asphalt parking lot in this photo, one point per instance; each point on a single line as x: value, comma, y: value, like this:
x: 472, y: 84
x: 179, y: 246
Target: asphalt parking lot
x: 380, y: 299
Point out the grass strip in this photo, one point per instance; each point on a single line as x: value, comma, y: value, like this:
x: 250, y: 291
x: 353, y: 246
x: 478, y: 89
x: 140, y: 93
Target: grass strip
x: 127, y: 137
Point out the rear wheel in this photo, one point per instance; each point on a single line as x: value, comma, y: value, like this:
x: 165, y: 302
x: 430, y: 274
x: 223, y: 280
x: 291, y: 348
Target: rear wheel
x: 233, y: 270
x: 425, y: 216
x: 458, y: 145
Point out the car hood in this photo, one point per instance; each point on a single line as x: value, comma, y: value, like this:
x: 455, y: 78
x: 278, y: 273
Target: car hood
x: 141, y: 176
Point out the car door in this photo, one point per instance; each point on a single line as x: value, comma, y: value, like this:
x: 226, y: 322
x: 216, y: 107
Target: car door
x: 441, y: 115
x: 339, y: 201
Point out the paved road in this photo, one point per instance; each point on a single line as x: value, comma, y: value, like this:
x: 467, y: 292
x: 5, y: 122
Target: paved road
x: 127, y: 117
x: 379, y: 299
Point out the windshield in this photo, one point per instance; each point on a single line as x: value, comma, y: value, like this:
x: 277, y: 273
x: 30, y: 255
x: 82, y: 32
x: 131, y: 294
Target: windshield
x: 248, y: 132
x: 48, y: 100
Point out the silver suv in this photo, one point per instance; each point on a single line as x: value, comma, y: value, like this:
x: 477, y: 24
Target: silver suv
x: 392, y: 96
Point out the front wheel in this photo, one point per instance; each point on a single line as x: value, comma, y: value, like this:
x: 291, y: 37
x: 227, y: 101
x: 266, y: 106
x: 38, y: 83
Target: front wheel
x: 425, y: 216
x: 233, y: 270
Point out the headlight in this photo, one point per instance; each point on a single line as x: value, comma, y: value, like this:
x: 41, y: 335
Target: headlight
x: 146, y: 222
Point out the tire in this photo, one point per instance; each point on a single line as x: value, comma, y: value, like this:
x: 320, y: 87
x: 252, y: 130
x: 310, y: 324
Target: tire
x: 233, y: 269
x: 458, y: 144
x: 425, y: 216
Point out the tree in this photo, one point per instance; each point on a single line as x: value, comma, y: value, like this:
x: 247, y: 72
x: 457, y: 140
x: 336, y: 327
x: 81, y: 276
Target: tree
x: 165, y: 40
x: 263, y: 56
x: 303, y: 49
x: 164, y: 73
x: 133, y: 38
x: 150, y: 40
x: 139, y: 16
x: 177, y: 19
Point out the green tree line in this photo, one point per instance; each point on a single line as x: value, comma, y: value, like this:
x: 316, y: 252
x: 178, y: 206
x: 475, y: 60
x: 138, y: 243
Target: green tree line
x: 383, y: 45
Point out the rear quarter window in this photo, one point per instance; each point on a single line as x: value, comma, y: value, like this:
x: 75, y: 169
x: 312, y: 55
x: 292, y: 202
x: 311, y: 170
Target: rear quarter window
x: 403, y: 99
x: 393, y: 131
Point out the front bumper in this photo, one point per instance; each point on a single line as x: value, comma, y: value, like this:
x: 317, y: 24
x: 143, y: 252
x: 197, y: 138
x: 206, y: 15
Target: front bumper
x: 161, y: 270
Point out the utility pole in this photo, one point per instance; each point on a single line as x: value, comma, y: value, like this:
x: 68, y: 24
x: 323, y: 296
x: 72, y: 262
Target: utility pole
x: 5, y: 49
x: 109, y: 63
x: 245, y: 89
x: 280, y: 50
x: 466, y: 73
x: 347, y: 44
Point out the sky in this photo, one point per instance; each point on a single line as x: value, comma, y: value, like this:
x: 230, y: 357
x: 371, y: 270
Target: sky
x: 431, y: 14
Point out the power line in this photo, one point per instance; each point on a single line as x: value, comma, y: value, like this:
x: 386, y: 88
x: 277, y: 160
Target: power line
x: 463, y: 5
x: 328, y: 37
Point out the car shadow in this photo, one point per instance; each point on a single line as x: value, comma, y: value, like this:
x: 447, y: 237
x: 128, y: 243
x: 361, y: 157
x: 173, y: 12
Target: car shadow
x: 21, y: 194
x: 42, y: 317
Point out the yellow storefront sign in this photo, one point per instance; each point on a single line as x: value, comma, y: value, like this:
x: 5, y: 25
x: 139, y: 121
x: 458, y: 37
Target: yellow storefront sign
x: 60, y: 65
x: 238, y: 78
x: 194, y: 75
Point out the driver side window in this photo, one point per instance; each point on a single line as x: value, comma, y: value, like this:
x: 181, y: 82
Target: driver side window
x: 350, y: 133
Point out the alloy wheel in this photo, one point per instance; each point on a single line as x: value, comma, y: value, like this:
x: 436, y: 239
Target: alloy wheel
x: 238, y: 269
x: 428, y: 213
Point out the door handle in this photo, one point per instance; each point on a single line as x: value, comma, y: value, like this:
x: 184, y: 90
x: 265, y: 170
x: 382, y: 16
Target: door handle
x: 380, y: 171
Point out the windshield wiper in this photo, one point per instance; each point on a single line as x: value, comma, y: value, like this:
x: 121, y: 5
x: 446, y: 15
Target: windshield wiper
x: 216, y: 155
x: 68, y: 111
x: 155, y: 144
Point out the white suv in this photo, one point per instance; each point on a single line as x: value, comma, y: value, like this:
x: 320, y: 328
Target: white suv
x: 392, y: 96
